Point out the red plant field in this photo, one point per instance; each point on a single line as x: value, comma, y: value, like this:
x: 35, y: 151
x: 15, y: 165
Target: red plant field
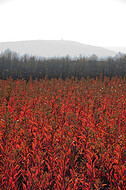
x: 63, y: 135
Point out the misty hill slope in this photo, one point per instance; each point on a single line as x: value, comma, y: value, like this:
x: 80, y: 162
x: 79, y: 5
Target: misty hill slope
x: 58, y: 48
x: 118, y: 49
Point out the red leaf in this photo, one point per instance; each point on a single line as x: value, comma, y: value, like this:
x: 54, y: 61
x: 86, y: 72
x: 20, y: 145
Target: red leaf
x: 89, y: 167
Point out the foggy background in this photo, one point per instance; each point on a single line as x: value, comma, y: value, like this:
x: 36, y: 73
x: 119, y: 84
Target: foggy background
x: 91, y: 22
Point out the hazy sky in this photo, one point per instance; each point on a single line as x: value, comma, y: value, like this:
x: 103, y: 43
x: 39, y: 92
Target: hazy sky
x: 94, y: 22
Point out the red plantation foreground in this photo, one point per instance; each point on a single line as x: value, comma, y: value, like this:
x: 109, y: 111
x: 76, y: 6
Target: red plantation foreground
x: 63, y: 135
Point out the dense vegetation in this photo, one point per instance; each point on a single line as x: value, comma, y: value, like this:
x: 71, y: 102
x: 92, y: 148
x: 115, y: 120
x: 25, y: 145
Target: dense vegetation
x: 14, y: 66
x: 63, y: 134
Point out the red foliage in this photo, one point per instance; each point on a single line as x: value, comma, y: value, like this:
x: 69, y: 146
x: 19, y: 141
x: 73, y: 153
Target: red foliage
x: 65, y: 135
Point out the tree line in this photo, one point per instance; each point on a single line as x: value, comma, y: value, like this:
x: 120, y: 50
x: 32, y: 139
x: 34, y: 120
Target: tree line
x: 18, y: 67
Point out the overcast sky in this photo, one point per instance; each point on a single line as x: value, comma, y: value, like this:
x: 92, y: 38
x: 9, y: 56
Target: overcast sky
x: 93, y: 22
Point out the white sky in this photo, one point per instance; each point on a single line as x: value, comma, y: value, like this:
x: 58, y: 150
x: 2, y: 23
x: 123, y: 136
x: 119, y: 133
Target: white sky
x: 94, y: 22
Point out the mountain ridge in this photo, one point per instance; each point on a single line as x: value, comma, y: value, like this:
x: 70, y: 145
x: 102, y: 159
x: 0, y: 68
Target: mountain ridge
x: 55, y: 48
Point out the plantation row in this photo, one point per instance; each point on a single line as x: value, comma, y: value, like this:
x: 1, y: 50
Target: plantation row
x: 63, y: 135
x: 11, y: 65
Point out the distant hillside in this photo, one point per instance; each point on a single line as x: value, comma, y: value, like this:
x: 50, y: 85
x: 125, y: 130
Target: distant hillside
x: 58, y: 48
x: 118, y: 49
